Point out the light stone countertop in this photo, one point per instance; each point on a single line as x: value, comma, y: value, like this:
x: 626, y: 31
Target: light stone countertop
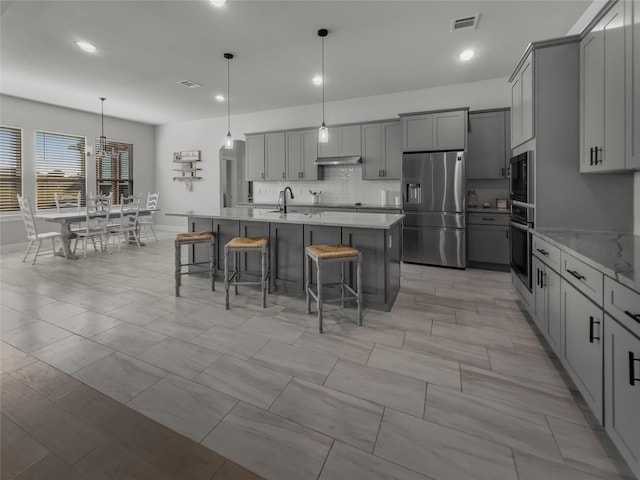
x: 382, y: 221
x: 324, y: 205
x: 617, y: 255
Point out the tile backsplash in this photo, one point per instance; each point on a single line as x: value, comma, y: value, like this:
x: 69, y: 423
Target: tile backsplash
x: 341, y: 184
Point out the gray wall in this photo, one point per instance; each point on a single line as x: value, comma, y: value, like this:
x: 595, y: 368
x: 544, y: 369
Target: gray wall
x: 31, y: 116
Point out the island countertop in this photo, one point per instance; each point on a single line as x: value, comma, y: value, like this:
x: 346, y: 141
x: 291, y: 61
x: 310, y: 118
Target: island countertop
x: 382, y: 221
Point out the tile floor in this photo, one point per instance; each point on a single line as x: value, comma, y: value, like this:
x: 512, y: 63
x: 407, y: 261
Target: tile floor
x: 453, y: 383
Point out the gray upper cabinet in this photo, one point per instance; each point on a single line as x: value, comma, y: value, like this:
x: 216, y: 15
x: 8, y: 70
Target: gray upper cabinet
x: 522, y: 111
x: 343, y: 141
x: 434, y: 131
x: 488, y: 144
x: 381, y: 151
x: 417, y: 133
x: 632, y: 32
x: 450, y: 130
x: 302, y: 152
x: 255, y: 157
x: 274, y: 157
x: 602, y: 94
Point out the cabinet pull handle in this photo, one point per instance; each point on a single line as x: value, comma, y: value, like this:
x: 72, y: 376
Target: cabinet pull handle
x: 543, y: 252
x: 538, y: 272
x: 384, y: 173
x: 502, y: 171
x: 283, y: 174
x: 576, y: 274
x: 506, y: 233
x: 489, y: 219
x: 632, y: 373
x: 635, y: 316
x: 591, y: 156
x: 543, y: 280
x: 592, y: 322
x: 598, y: 150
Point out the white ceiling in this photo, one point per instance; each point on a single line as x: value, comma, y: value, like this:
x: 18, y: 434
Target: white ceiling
x: 146, y: 47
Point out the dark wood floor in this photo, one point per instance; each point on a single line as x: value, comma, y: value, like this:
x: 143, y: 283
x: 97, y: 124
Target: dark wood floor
x: 55, y: 428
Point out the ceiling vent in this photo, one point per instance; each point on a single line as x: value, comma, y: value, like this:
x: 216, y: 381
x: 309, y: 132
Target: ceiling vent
x: 189, y: 83
x: 465, y: 23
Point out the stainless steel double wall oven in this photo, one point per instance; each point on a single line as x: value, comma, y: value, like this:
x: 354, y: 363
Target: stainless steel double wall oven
x: 522, y: 215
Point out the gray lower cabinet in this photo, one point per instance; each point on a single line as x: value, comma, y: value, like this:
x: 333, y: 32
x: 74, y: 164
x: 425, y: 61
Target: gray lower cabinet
x: 381, y: 254
x: 582, y: 345
x: 199, y: 253
x: 547, y: 303
x: 287, y: 257
x: 224, y: 231
x: 622, y: 390
x: 488, y: 240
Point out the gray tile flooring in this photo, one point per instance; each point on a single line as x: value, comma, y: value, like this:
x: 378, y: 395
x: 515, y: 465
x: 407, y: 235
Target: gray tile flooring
x: 453, y: 383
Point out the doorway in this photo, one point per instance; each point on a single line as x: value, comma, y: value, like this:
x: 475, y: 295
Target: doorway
x: 234, y: 188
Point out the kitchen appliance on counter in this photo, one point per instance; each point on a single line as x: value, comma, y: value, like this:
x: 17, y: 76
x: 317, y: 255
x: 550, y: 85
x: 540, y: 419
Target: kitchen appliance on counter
x: 433, y: 192
x: 521, y: 215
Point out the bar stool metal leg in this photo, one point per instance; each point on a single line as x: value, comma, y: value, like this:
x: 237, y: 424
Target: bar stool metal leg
x: 236, y: 271
x: 212, y: 266
x: 359, y: 292
x: 263, y: 283
x: 307, y: 265
x: 319, y: 292
x: 178, y: 267
x: 226, y: 277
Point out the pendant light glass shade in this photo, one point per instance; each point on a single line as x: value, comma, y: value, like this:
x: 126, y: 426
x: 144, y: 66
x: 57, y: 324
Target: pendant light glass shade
x: 228, y: 141
x: 323, y: 134
x: 323, y: 131
x: 102, y: 144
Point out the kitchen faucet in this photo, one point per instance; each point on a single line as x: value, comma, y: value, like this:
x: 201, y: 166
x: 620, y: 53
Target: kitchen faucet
x: 283, y: 195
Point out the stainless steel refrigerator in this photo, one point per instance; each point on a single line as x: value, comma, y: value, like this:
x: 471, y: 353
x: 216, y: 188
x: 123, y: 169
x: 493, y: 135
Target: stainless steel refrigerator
x: 434, y: 206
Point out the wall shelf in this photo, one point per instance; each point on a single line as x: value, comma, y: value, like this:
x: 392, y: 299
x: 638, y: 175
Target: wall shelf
x: 188, y: 160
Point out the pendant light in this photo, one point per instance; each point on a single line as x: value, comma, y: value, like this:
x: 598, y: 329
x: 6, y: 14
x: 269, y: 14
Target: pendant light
x: 228, y: 143
x: 323, y: 132
x: 102, y: 145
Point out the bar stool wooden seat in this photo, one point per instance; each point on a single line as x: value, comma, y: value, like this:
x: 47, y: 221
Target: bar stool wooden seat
x: 239, y: 245
x: 195, y: 238
x: 327, y: 254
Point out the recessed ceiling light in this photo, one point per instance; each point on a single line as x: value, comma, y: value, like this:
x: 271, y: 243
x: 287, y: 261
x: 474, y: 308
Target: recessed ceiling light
x: 466, y: 55
x: 219, y: 98
x: 217, y: 3
x: 317, y: 80
x: 87, y: 47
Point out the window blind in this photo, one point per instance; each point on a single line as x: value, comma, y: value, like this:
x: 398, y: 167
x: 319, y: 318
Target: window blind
x: 10, y: 168
x: 60, y: 167
x: 114, y: 171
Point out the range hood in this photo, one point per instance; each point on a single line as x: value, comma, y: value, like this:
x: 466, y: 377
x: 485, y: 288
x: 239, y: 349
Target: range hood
x: 328, y: 161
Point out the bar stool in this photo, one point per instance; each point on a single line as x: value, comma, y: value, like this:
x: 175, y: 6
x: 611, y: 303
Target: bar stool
x: 244, y: 245
x: 326, y: 254
x: 195, y: 238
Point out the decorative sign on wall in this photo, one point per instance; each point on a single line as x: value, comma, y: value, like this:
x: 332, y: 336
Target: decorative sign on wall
x: 188, y: 170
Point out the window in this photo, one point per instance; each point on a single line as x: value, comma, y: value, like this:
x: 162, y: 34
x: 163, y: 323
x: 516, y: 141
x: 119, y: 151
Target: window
x: 60, y: 167
x: 10, y: 168
x: 114, y: 171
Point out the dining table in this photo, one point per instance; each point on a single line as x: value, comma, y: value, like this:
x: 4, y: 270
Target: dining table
x: 68, y: 218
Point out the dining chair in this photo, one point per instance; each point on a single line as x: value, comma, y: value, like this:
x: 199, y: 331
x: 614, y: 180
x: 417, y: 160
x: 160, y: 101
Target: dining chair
x: 35, y: 238
x: 96, y: 224
x: 68, y: 202
x: 127, y: 225
x: 146, y: 222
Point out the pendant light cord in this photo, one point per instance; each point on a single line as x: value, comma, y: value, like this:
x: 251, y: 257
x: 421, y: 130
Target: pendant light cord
x: 322, y: 80
x: 228, y: 97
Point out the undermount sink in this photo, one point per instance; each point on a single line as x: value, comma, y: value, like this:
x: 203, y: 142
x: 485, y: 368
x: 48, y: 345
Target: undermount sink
x: 288, y: 213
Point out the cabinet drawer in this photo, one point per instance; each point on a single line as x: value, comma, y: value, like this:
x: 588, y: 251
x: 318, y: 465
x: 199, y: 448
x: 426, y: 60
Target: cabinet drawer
x: 478, y: 218
x: 585, y: 278
x: 546, y: 252
x: 618, y: 300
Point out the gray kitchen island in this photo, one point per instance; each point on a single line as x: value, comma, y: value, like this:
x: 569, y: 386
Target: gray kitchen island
x: 377, y: 235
